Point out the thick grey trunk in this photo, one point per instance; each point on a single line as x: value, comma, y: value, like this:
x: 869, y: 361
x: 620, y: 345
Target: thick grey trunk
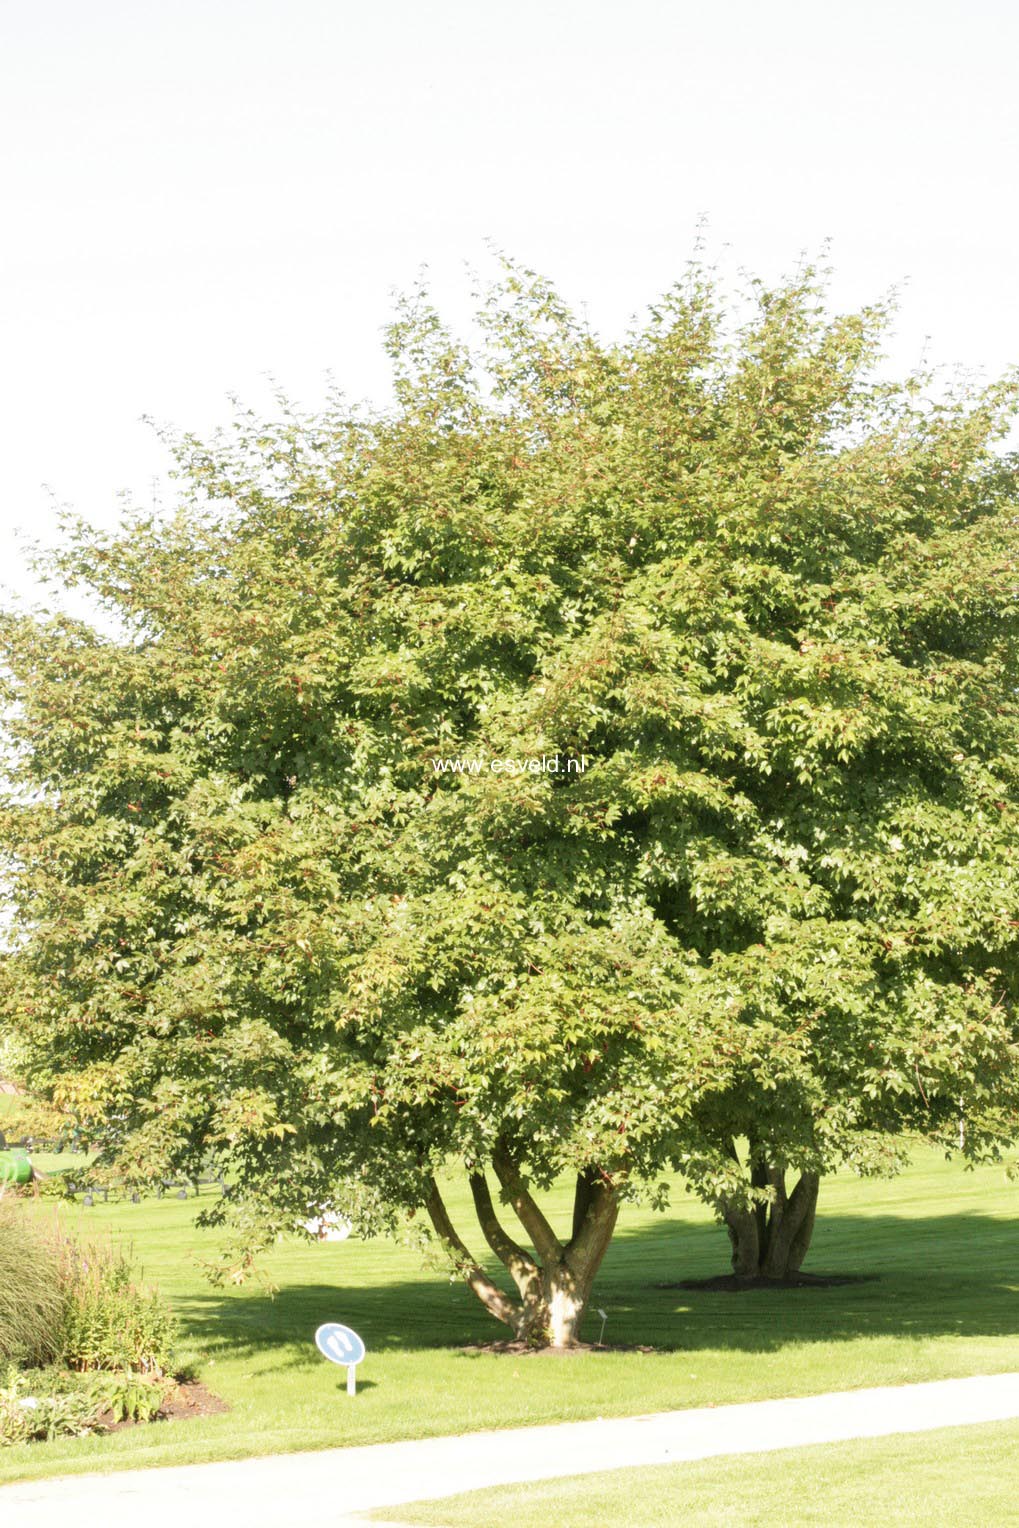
x: 553, y: 1320
x: 799, y: 1244
x: 744, y: 1240
x: 772, y: 1240
x: 552, y: 1317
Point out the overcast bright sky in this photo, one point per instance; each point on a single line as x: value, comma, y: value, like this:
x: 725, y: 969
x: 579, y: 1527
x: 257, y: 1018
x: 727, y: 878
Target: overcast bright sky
x: 200, y: 192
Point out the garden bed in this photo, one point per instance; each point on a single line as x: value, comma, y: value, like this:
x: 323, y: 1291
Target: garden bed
x: 187, y: 1400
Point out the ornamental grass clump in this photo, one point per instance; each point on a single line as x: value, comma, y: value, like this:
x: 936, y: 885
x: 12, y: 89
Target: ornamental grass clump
x: 76, y: 1304
x: 32, y: 1294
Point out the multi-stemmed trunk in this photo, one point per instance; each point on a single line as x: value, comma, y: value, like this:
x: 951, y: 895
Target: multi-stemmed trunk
x: 772, y: 1237
x: 554, y: 1284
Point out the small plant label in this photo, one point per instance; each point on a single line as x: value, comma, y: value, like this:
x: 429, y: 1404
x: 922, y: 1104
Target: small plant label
x: 341, y: 1346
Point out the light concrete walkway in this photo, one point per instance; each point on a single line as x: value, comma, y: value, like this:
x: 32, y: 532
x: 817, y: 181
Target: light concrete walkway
x: 327, y: 1488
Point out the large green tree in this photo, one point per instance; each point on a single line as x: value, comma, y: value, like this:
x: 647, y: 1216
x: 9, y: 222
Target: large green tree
x: 765, y: 598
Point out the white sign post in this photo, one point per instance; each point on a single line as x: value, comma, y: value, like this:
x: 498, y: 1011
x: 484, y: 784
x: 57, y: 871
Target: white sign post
x: 341, y: 1346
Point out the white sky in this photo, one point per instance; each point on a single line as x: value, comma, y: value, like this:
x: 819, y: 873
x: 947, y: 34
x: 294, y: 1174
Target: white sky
x: 199, y: 192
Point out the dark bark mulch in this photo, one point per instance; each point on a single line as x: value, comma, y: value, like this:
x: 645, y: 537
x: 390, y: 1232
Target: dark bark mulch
x: 192, y: 1400
x: 187, y: 1400
x: 525, y: 1350
x: 730, y: 1283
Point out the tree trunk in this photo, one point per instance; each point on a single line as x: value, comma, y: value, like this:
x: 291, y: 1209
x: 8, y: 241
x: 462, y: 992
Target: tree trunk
x: 745, y: 1241
x: 553, y: 1286
x: 552, y: 1318
x: 566, y: 1307
x: 771, y: 1240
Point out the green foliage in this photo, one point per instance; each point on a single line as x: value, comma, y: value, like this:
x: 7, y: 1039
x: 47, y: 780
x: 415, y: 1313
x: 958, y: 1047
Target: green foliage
x: 23, y: 1116
x: 769, y: 596
x: 76, y: 1303
x: 31, y: 1299
x: 51, y: 1403
x: 109, y: 1320
x: 129, y: 1397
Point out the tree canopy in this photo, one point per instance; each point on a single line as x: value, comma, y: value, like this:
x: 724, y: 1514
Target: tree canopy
x: 293, y: 891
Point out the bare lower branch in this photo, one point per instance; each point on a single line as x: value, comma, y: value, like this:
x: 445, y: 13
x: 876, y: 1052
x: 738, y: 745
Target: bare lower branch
x: 544, y: 1240
x: 491, y: 1296
x: 522, y: 1267
x: 590, y: 1243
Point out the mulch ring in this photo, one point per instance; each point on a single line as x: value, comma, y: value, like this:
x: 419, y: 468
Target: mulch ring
x: 730, y: 1283
x: 517, y: 1349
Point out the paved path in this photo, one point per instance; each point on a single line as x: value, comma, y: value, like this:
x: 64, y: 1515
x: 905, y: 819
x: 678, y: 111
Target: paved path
x: 287, y: 1490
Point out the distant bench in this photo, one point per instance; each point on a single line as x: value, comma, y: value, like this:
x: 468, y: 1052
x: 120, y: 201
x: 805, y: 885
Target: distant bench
x: 178, y: 1186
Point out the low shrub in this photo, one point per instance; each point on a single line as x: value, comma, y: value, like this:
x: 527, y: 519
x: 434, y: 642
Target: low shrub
x: 83, y: 1345
x: 51, y: 1403
x: 109, y: 1320
x: 32, y: 1293
x: 77, y: 1304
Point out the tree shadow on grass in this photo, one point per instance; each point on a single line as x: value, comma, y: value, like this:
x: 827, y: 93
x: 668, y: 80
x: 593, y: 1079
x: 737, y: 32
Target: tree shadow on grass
x: 936, y: 1276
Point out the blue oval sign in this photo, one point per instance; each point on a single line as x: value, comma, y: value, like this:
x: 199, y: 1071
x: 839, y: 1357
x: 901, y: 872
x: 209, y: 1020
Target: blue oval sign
x: 339, y: 1344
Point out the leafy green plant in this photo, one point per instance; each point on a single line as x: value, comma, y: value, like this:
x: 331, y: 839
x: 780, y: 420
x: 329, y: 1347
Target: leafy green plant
x: 50, y: 1403
x: 110, y: 1321
x: 130, y: 1397
x: 16, y: 1420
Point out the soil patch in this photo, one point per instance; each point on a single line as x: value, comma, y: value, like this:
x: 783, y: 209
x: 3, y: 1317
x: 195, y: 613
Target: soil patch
x: 524, y: 1349
x: 187, y: 1400
x: 192, y: 1400
x: 729, y: 1283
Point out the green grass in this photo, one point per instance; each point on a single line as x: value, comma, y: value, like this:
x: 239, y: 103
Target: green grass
x: 942, y: 1240
x: 967, y: 1477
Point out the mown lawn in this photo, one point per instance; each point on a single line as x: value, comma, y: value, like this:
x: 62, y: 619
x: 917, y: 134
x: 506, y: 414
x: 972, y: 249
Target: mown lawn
x: 960, y: 1477
x: 943, y: 1242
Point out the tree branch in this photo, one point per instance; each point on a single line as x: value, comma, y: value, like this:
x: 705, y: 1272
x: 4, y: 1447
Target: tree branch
x: 491, y: 1296
x: 544, y: 1240
x: 522, y: 1267
x: 805, y: 1219
x: 581, y: 1200
x: 794, y: 1214
x: 589, y: 1244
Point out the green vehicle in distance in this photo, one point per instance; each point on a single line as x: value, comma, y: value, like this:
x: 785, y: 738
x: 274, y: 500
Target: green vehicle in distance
x: 15, y: 1166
